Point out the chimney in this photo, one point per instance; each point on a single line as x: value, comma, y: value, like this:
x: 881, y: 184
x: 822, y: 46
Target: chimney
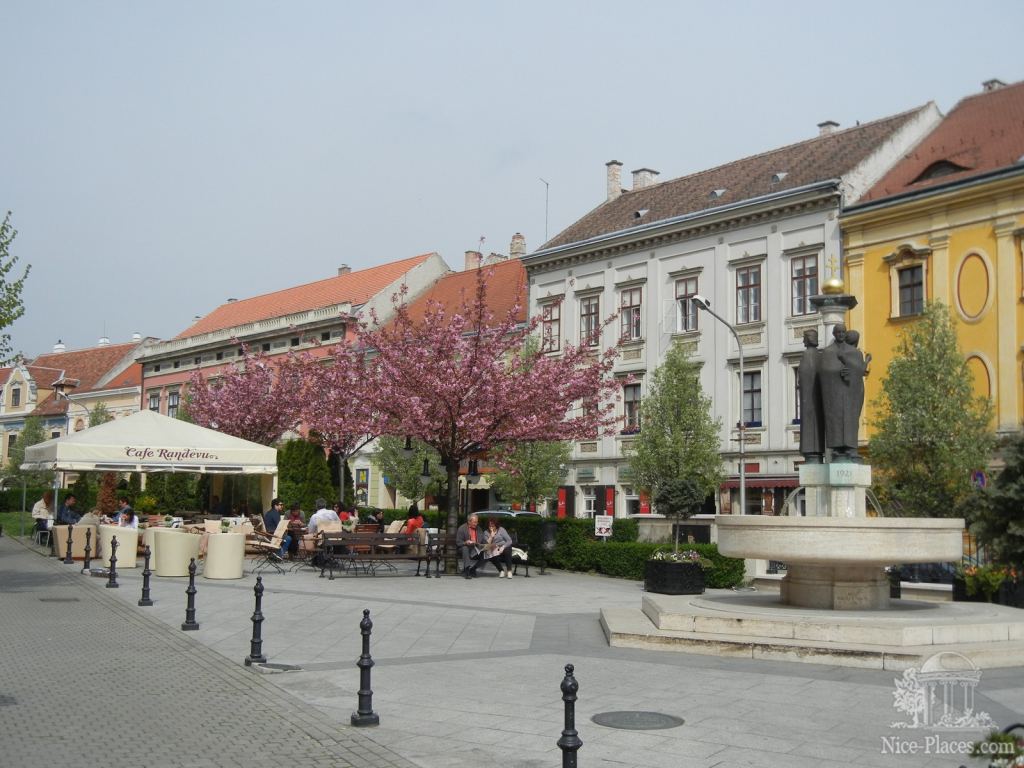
x: 643, y: 177
x: 136, y: 336
x: 103, y: 342
x: 494, y: 258
x: 993, y: 85
x: 614, y: 179
x: 59, y: 347
x: 827, y: 127
x: 517, y: 248
x: 473, y: 259
x: 344, y: 269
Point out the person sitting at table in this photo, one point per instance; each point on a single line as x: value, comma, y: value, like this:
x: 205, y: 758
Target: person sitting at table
x: 498, y: 547
x: 322, y: 515
x: 42, y: 511
x: 273, y: 515
x: 67, y: 515
x: 93, y: 517
x: 293, y: 535
x: 469, y: 540
x: 126, y: 516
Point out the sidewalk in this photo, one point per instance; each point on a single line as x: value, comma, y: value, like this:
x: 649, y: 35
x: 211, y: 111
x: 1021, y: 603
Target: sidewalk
x: 467, y: 674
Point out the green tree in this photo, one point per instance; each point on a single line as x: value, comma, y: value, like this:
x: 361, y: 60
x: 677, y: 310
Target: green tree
x: 678, y: 436
x: 930, y: 429
x: 403, y: 472
x: 33, y: 432
x: 680, y: 497
x: 99, y: 415
x: 11, y: 305
x: 303, y: 475
x: 995, y: 514
x: 531, y: 471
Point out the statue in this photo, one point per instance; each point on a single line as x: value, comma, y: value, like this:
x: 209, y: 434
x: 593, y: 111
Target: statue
x: 830, y: 408
x: 812, y: 436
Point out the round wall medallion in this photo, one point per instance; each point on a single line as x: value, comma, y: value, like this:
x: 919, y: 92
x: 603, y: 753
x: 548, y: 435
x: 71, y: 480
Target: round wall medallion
x: 972, y: 286
x: 637, y: 721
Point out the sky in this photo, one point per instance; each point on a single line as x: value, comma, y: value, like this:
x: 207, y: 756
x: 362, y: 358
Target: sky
x: 161, y: 157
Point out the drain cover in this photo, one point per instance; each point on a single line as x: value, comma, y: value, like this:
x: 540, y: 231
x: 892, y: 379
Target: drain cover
x: 637, y: 721
x: 281, y: 667
x: 58, y: 599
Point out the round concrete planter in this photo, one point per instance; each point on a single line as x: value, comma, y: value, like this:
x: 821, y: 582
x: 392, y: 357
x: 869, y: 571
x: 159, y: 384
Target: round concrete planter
x: 667, y: 578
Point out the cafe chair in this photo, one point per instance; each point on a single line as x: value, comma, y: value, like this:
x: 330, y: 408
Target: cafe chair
x: 269, y: 550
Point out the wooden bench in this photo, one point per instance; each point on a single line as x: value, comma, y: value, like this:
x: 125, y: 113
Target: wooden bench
x: 352, y: 551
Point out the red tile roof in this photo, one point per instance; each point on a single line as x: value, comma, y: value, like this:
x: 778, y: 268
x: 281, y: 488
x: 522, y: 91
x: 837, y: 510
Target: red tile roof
x: 983, y: 132
x: 506, y: 282
x: 89, y: 367
x: 818, y: 159
x: 355, y: 287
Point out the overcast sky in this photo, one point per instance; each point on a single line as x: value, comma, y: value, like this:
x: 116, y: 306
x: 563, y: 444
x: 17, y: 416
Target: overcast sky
x: 160, y: 157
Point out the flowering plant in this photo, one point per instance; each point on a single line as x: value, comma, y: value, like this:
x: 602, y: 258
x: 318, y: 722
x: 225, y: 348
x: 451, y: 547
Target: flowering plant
x: 686, y: 556
x: 987, y: 579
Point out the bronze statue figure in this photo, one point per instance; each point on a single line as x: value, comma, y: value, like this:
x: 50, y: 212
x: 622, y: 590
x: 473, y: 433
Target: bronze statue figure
x: 831, y: 397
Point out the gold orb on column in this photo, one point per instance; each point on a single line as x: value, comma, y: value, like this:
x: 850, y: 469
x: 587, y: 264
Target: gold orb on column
x: 833, y: 286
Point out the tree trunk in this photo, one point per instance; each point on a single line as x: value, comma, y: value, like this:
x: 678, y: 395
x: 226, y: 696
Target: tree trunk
x: 452, y: 467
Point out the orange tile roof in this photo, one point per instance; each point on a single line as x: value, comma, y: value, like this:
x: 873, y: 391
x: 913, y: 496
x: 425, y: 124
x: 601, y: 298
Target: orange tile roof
x: 5, y: 374
x: 982, y: 133
x: 506, y: 282
x: 355, y: 287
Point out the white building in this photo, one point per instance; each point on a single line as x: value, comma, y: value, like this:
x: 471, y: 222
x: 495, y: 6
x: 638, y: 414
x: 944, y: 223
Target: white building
x: 754, y: 236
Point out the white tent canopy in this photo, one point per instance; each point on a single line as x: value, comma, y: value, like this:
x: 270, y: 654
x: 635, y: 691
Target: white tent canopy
x: 149, y: 442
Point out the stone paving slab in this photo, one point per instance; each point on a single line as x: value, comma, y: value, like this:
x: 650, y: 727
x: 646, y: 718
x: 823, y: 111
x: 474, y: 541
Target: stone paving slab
x: 468, y: 672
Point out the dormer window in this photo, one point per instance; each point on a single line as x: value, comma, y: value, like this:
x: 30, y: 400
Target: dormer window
x: 938, y: 169
x: 716, y: 193
x: 15, y: 397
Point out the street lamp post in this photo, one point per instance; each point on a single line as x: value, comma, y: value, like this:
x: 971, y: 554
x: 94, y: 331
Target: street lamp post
x: 705, y: 304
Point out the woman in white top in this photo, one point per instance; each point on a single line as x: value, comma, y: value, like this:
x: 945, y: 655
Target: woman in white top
x: 42, y: 511
x: 128, y: 518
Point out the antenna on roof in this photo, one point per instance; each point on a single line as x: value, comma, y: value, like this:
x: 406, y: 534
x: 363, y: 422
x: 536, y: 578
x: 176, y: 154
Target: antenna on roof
x: 547, y: 188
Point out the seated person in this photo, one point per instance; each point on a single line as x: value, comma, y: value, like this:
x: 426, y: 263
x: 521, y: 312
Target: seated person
x: 126, y: 517
x: 321, y: 516
x: 414, y: 522
x: 67, y: 515
x: 470, y: 541
x: 93, y: 517
x: 296, y: 524
x: 498, y: 547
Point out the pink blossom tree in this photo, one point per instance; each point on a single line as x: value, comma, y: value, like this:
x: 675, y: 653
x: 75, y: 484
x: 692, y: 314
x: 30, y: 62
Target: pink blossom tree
x: 256, y: 399
x: 339, y: 402
x: 462, y: 380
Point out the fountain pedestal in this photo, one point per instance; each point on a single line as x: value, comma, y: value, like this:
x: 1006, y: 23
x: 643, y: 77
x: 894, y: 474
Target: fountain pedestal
x: 835, y: 490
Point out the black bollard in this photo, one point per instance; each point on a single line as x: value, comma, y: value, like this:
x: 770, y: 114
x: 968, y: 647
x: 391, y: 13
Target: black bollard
x: 67, y: 557
x: 256, y: 644
x: 88, y: 551
x: 146, y: 573
x: 365, y: 714
x: 570, y: 741
x: 112, y: 581
x: 190, y: 606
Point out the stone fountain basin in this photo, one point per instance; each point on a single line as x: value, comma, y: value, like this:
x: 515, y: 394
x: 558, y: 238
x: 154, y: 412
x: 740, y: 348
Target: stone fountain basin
x: 838, y: 541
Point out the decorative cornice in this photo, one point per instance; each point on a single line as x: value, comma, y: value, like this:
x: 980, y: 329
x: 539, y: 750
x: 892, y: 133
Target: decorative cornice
x: 674, y: 231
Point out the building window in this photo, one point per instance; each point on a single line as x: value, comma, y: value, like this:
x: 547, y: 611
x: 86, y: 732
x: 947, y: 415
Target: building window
x: 589, y: 501
x: 803, y: 272
x: 911, y: 290
x: 15, y: 397
x: 686, y: 308
x: 154, y: 401
x: 265, y: 346
x: 752, y: 398
x: 55, y: 434
x: 294, y: 341
x: 632, y: 500
x: 551, y: 327
x: 590, y: 308
x: 630, y: 302
x: 325, y: 336
x: 631, y: 399
x: 220, y: 356
x: 12, y: 438
x: 748, y: 294
x: 172, y: 404
x: 796, y: 394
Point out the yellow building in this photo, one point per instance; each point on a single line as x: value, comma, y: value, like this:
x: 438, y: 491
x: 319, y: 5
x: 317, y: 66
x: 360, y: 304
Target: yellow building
x: 946, y: 224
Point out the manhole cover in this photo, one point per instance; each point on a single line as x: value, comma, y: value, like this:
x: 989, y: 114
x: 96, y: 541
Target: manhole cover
x: 637, y: 721
x: 58, y: 599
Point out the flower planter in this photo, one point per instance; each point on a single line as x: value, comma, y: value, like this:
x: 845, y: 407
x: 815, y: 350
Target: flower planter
x: 668, y: 578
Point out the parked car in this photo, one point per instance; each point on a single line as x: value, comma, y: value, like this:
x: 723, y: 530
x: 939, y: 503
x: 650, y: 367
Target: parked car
x: 485, y: 513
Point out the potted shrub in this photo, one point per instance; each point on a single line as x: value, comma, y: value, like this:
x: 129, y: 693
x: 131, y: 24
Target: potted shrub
x: 675, y: 572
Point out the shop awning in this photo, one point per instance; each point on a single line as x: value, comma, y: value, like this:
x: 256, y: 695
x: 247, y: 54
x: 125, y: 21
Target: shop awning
x: 764, y: 481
